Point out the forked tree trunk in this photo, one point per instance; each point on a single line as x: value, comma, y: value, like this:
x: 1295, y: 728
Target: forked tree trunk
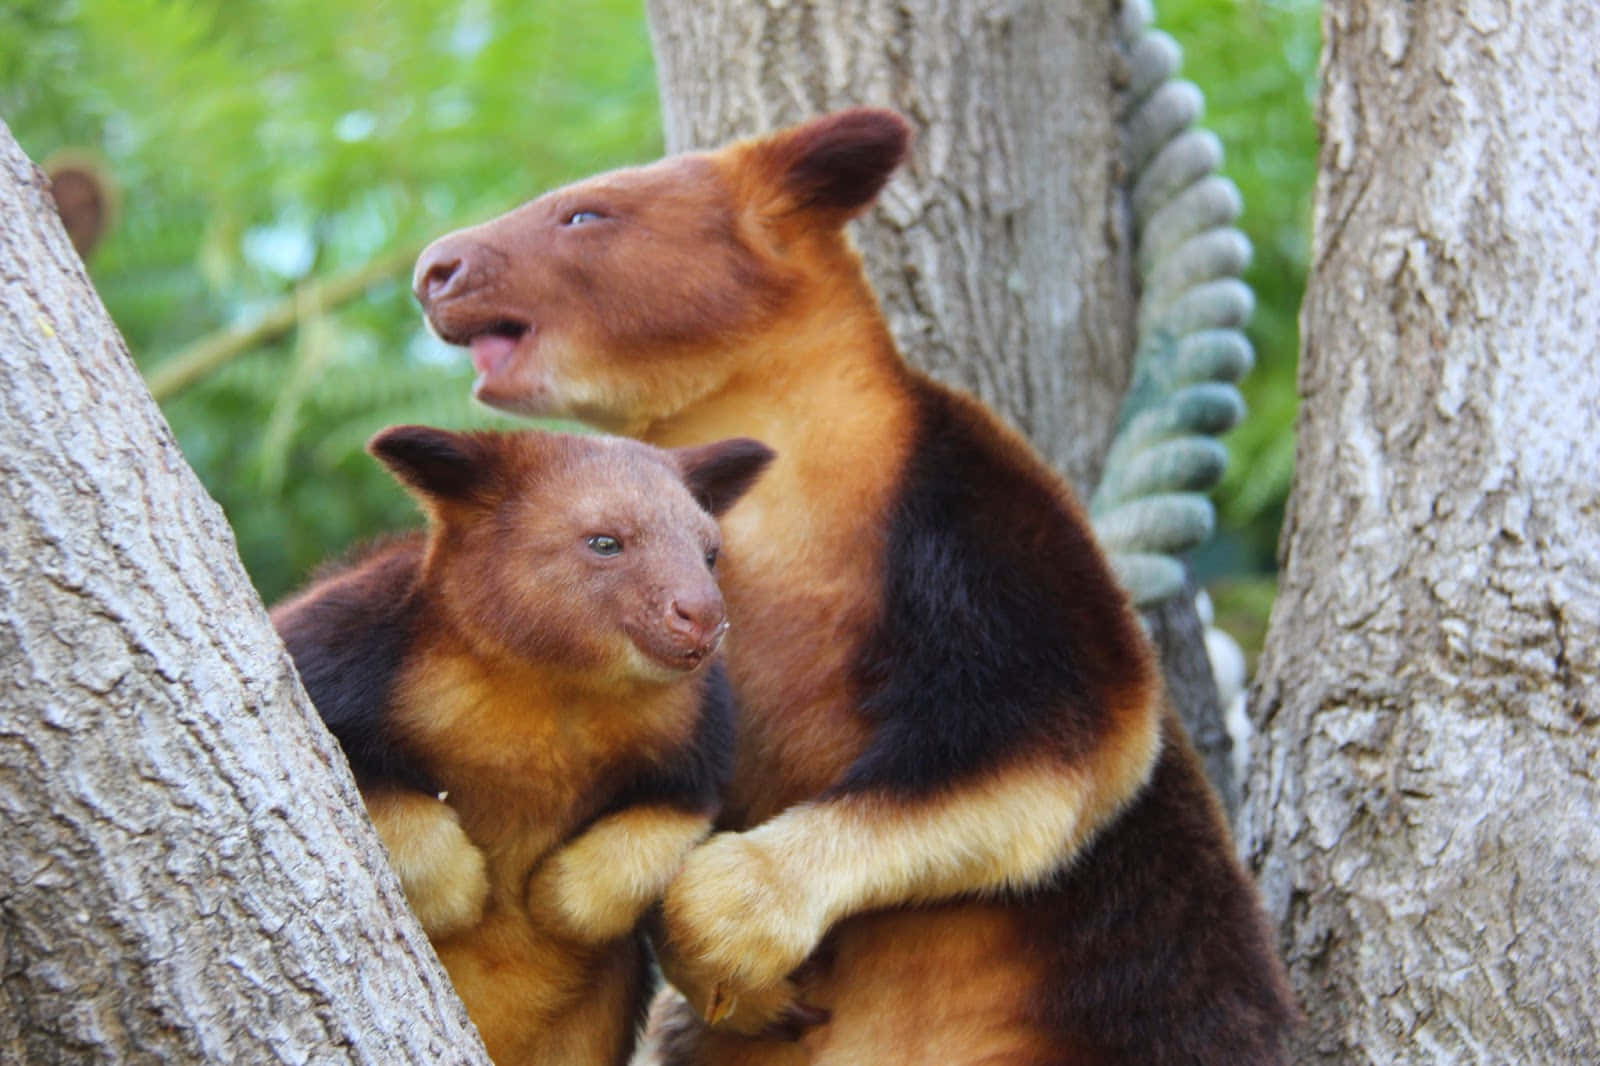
x: 1426, y: 818
x: 186, y: 875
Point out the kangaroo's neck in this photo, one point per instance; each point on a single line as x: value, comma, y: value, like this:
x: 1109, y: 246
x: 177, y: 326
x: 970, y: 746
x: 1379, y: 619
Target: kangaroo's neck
x: 823, y: 385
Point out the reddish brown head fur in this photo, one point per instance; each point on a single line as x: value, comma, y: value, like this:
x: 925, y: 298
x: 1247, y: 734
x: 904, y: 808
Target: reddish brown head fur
x: 626, y: 297
x: 577, y: 553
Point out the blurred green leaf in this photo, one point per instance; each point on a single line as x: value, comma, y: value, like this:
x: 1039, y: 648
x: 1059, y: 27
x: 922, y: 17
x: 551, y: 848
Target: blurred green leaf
x: 261, y: 144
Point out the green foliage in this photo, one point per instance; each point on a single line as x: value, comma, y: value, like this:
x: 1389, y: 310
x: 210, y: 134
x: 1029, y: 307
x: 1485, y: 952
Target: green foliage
x: 1256, y: 62
x: 262, y: 144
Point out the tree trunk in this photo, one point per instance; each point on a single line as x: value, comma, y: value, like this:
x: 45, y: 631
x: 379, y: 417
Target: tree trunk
x: 1002, y: 250
x: 188, y: 875
x: 1426, y: 816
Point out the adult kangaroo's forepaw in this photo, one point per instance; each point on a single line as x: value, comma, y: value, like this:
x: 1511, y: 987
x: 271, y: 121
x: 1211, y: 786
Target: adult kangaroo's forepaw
x: 735, y: 927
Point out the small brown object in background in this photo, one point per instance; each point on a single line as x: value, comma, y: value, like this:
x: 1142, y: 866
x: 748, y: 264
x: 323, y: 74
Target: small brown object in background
x: 85, y: 196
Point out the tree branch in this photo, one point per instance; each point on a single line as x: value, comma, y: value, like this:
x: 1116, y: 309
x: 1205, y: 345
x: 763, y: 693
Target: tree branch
x: 212, y: 352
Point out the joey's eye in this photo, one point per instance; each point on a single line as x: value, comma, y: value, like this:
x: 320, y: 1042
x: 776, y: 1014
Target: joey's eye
x: 601, y: 544
x: 711, y: 559
x: 578, y: 218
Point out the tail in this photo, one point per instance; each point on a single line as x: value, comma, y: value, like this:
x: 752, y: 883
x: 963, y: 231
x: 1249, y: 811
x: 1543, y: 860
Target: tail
x: 1151, y: 504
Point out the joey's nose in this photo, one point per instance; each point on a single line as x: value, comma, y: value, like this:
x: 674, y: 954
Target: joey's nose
x: 698, y: 621
x: 441, y: 271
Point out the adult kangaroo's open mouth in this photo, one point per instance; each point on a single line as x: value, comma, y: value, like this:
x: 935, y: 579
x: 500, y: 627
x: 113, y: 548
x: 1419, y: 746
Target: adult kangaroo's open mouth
x: 494, y: 347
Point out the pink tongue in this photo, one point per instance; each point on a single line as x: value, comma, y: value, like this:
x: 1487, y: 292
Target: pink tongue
x: 490, y: 351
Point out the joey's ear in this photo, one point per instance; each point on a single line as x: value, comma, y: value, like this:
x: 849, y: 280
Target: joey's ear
x: 718, y: 474
x: 434, y: 462
x: 836, y: 164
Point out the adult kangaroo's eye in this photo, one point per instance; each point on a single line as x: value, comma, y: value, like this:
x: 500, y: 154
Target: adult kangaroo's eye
x: 578, y: 218
x: 601, y: 544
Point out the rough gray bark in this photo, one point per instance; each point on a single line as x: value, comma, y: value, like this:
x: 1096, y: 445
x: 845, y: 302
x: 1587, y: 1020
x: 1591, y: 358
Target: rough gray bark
x: 1176, y: 629
x: 1426, y: 816
x: 187, y: 873
x: 1002, y: 250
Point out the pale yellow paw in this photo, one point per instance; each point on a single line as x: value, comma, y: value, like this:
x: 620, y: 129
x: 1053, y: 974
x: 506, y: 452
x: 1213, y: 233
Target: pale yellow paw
x: 444, y: 875
x: 601, y: 884
x: 736, y: 925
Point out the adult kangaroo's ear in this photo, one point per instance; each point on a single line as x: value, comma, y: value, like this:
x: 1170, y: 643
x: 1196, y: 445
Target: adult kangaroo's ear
x: 719, y: 474
x: 435, y: 464
x: 834, y: 165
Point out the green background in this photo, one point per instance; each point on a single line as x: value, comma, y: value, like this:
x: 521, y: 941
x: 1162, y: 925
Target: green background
x: 259, y: 148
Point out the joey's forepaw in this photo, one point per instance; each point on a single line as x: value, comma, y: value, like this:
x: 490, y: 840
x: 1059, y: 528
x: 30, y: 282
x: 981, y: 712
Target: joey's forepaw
x: 736, y: 925
x: 573, y: 889
x: 444, y: 875
x: 600, y: 885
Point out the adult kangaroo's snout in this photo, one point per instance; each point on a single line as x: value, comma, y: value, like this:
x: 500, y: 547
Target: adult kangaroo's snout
x: 443, y: 269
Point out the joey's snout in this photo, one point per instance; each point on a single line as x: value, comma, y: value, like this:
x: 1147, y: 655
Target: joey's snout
x: 698, y: 622
x: 684, y: 630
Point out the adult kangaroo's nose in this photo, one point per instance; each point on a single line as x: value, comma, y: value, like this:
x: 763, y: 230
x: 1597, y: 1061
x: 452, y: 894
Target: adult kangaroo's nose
x: 441, y: 270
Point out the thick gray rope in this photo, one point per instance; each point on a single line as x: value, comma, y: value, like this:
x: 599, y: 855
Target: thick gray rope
x: 1152, y: 505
